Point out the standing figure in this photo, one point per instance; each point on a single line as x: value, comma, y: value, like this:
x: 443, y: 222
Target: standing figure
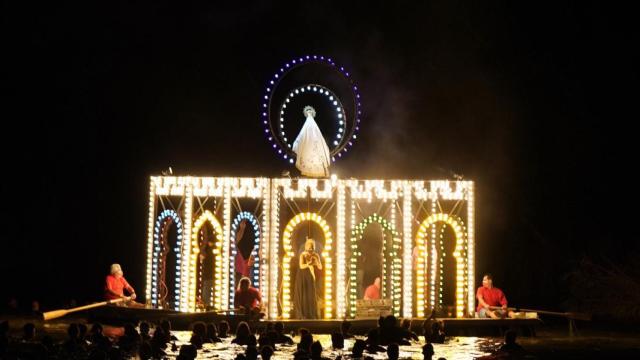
x: 313, y: 156
x: 305, y: 300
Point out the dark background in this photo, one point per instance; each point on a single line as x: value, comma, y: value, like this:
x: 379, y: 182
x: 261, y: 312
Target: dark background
x: 532, y: 101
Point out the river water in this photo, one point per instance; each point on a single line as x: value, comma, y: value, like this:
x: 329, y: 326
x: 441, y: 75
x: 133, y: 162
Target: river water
x: 550, y: 343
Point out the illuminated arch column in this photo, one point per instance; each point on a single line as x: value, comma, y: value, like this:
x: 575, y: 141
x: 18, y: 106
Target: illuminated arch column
x: 341, y: 306
x: 218, y: 262
x: 150, y: 237
x: 255, y: 271
x: 264, y: 242
x: 273, y: 250
x: 356, y: 237
x: 421, y: 271
x: 158, y: 229
x: 459, y: 254
x: 407, y: 249
x: 471, y: 241
x: 226, y: 244
x: 186, y: 248
x: 288, y: 255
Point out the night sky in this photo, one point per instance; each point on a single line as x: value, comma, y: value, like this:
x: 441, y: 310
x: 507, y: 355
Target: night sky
x: 528, y: 100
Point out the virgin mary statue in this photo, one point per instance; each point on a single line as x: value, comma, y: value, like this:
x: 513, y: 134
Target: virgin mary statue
x: 313, y: 156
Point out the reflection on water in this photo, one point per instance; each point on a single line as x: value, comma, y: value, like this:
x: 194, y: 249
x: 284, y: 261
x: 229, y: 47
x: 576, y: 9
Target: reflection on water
x: 550, y: 343
x: 455, y: 348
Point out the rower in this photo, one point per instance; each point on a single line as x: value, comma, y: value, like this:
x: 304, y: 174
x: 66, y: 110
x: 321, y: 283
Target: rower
x: 489, y: 299
x: 115, y: 284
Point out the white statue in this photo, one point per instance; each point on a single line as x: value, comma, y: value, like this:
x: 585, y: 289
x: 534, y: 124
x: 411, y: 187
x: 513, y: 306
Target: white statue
x: 313, y: 156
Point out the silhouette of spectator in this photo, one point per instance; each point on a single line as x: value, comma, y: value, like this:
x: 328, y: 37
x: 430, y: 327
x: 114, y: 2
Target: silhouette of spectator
x: 316, y: 351
x: 393, y: 351
x: 28, y: 332
x: 390, y: 332
x: 224, y: 329
x: 72, y: 346
x: 130, y: 340
x: 242, y: 334
x: 266, y: 352
x: 373, y: 342
x: 281, y: 337
x: 145, y: 351
x: 427, y: 351
x: 97, y: 338
x: 82, y: 334
x: 212, y: 333
x: 144, y: 331
x: 187, y: 352
x: 337, y: 340
x: 436, y: 335
x: 251, y: 353
x: 158, y: 343
x: 407, y: 333
x: 345, y: 326
x: 166, y: 328
x: 198, y: 334
x: 304, y: 346
x: 358, y: 348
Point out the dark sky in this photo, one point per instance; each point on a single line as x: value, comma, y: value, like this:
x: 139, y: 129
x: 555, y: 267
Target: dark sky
x: 529, y: 100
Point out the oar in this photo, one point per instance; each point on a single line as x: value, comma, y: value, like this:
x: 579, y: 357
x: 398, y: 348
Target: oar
x: 60, y: 313
x: 568, y: 315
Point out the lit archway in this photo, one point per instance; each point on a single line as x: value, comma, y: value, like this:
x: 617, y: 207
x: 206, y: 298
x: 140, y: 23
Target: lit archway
x: 255, y: 271
x: 288, y: 255
x: 217, y: 253
x: 459, y: 253
x: 159, y: 290
x: 394, y: 253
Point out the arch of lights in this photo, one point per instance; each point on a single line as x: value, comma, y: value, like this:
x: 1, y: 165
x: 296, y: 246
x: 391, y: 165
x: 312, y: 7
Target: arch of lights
x: 255, y: 271
x: 289, y: 254
x: 158, y: 239
x: 396, y: 266
x: 191, y: 270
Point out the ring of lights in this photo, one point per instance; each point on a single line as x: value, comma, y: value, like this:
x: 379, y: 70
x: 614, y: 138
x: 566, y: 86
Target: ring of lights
x: 356, y: 236
x: 459, y: 254
x: 335, y: 103
x: 217, y: 261
x: 289, y: 254
x: 271, y: 127
x: 255, y: 272
x: 162, y: 223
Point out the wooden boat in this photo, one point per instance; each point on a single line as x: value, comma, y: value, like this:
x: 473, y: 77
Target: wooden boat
x: 120, y: 315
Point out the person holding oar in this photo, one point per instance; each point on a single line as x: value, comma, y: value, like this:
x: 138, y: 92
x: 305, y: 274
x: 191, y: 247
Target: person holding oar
x: 115, y: 284
x: 491, y: 301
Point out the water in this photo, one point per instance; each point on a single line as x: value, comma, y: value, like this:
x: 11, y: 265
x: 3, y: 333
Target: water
x: 456, y: 348
x: 550, y: 343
